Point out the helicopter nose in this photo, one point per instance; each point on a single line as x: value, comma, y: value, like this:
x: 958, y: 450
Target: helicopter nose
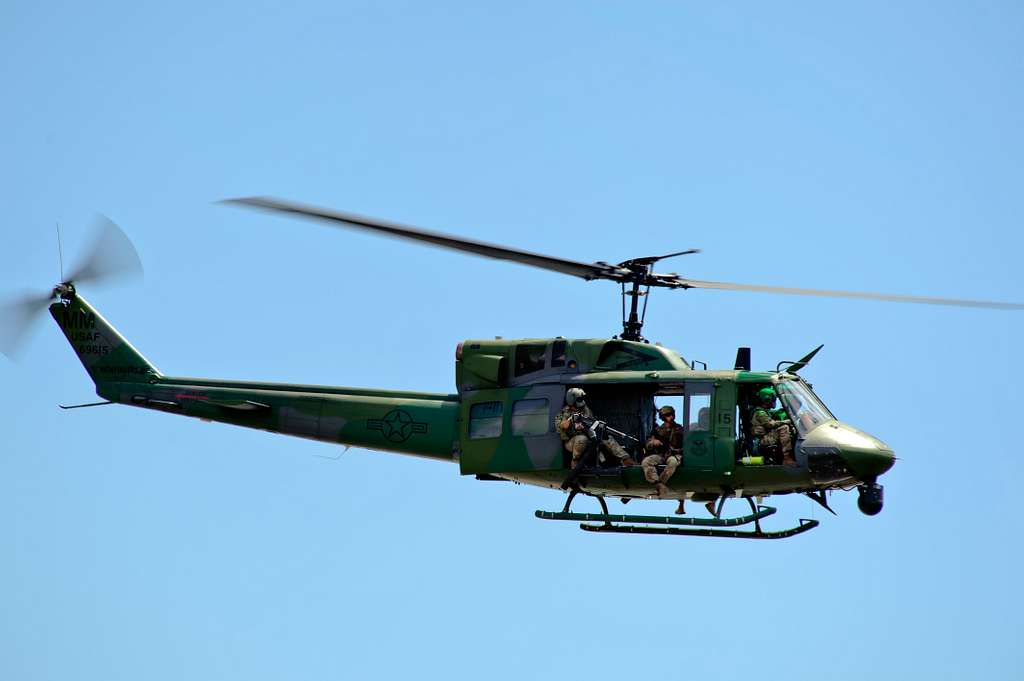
x: 865, y: 455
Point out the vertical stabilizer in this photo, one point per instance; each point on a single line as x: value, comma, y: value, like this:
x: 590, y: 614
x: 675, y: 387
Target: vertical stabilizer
x: 104, y: 353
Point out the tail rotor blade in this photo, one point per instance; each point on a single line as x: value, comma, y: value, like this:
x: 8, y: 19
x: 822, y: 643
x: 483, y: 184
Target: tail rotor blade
x: 111, y: 256
x: 16, y: 319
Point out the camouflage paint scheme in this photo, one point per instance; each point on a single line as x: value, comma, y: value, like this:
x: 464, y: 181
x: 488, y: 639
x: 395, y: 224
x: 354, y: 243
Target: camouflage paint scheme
x: 488, y: 373
x: 421, y: 424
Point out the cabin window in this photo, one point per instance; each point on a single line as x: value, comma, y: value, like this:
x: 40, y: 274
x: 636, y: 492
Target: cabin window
x: 530, y: 417
x: 485, y: 420
x: 558, y: 354
x: 529, y: 358
x: 698, y: 408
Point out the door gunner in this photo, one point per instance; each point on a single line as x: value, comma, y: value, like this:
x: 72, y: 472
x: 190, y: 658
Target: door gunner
x: 575, y: 434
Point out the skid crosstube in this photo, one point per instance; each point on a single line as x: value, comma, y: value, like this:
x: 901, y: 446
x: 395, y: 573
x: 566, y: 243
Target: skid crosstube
x: 762, y: 512
x: 804, y: 526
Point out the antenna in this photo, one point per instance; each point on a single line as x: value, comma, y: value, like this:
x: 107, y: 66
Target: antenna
x: 60, y: 254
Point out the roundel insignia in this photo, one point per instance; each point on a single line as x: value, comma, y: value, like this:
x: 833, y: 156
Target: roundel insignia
x: 397, y: 425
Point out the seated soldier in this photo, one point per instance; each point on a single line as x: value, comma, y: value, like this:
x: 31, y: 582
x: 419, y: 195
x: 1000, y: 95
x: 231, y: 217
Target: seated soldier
x: 704, y: 418
x: 665, y: 446
x: 703, y: 422
x: 575, y: 433
x: 768, y: 431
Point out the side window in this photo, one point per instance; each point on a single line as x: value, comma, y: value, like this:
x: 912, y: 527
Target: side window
x: 529, y: 358
x: 530, y: 417
x: 698, y: 408
x: 558, y: 353
x: 485, y: 420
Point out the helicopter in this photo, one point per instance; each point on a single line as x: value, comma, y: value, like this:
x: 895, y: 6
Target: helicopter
x: 507, y: 419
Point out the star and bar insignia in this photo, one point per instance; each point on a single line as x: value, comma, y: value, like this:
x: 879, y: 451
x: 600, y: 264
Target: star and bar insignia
x: 397, y: 425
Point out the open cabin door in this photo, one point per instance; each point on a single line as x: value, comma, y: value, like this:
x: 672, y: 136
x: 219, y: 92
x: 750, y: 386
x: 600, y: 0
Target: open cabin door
x: 510, y: 430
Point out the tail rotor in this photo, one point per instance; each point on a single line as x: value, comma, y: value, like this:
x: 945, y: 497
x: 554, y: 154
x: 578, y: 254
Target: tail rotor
x: 110, y: 256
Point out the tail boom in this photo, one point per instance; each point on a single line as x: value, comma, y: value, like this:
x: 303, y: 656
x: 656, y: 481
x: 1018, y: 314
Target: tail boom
x: 422, y: 424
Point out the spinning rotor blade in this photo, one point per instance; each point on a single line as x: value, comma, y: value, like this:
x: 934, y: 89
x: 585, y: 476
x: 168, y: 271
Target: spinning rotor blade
x: 636, y: 270
x: 588, y: 271
x: 955, y: 302
x: 111, y: 255
x: 16, y: 318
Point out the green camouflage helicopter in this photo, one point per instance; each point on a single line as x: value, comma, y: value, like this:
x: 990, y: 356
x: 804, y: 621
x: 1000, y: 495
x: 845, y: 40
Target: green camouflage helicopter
x: 502, y: 423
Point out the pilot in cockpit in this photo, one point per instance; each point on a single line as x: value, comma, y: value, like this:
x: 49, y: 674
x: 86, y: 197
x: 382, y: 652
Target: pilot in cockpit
x: 769, y: 431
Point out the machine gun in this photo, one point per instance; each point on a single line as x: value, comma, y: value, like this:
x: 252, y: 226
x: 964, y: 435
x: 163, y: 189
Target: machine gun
x: 595, y: 427
x: 596, y: 432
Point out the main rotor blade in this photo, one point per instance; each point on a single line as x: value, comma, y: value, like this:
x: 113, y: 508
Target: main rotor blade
x: 688, y: 251
x: 588, y: 271
x: 16, y: 318
x: 955, y: 302
x: 111, y: 255
x: 651, y: 259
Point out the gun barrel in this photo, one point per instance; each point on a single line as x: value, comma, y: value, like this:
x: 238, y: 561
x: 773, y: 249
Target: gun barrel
x: 589, y: 423
x: 621, y: 434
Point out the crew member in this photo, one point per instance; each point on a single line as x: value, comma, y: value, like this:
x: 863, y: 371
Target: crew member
x: 769, y: 431
x: 665, y: 446
x: 576, y: 434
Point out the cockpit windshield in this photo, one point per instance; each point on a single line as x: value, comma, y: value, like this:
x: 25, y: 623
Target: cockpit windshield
x: 803, y: 406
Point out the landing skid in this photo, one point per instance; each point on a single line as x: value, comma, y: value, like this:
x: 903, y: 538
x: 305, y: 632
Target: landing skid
x: 804, y: 525
x: 762, y: 512
x: 692, y: 527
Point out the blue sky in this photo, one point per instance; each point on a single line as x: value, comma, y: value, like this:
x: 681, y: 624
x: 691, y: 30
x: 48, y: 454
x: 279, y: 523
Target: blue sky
x: 871, y: 147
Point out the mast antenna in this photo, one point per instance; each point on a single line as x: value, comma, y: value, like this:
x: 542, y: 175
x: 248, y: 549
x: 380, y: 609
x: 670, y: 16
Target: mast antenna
x: 60, y: 253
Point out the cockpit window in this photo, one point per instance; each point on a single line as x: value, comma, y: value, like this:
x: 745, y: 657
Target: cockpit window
x: 558, y: 353
x: 529, y: 358
x: 616, y: 355
x: 803, y: 406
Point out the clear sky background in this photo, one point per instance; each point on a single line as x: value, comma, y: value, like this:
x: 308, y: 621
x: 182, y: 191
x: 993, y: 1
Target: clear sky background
x: 870, y: 147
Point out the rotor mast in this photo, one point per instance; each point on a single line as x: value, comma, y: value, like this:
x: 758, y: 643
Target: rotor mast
x: 633, y: 324
x: 637, y: 274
